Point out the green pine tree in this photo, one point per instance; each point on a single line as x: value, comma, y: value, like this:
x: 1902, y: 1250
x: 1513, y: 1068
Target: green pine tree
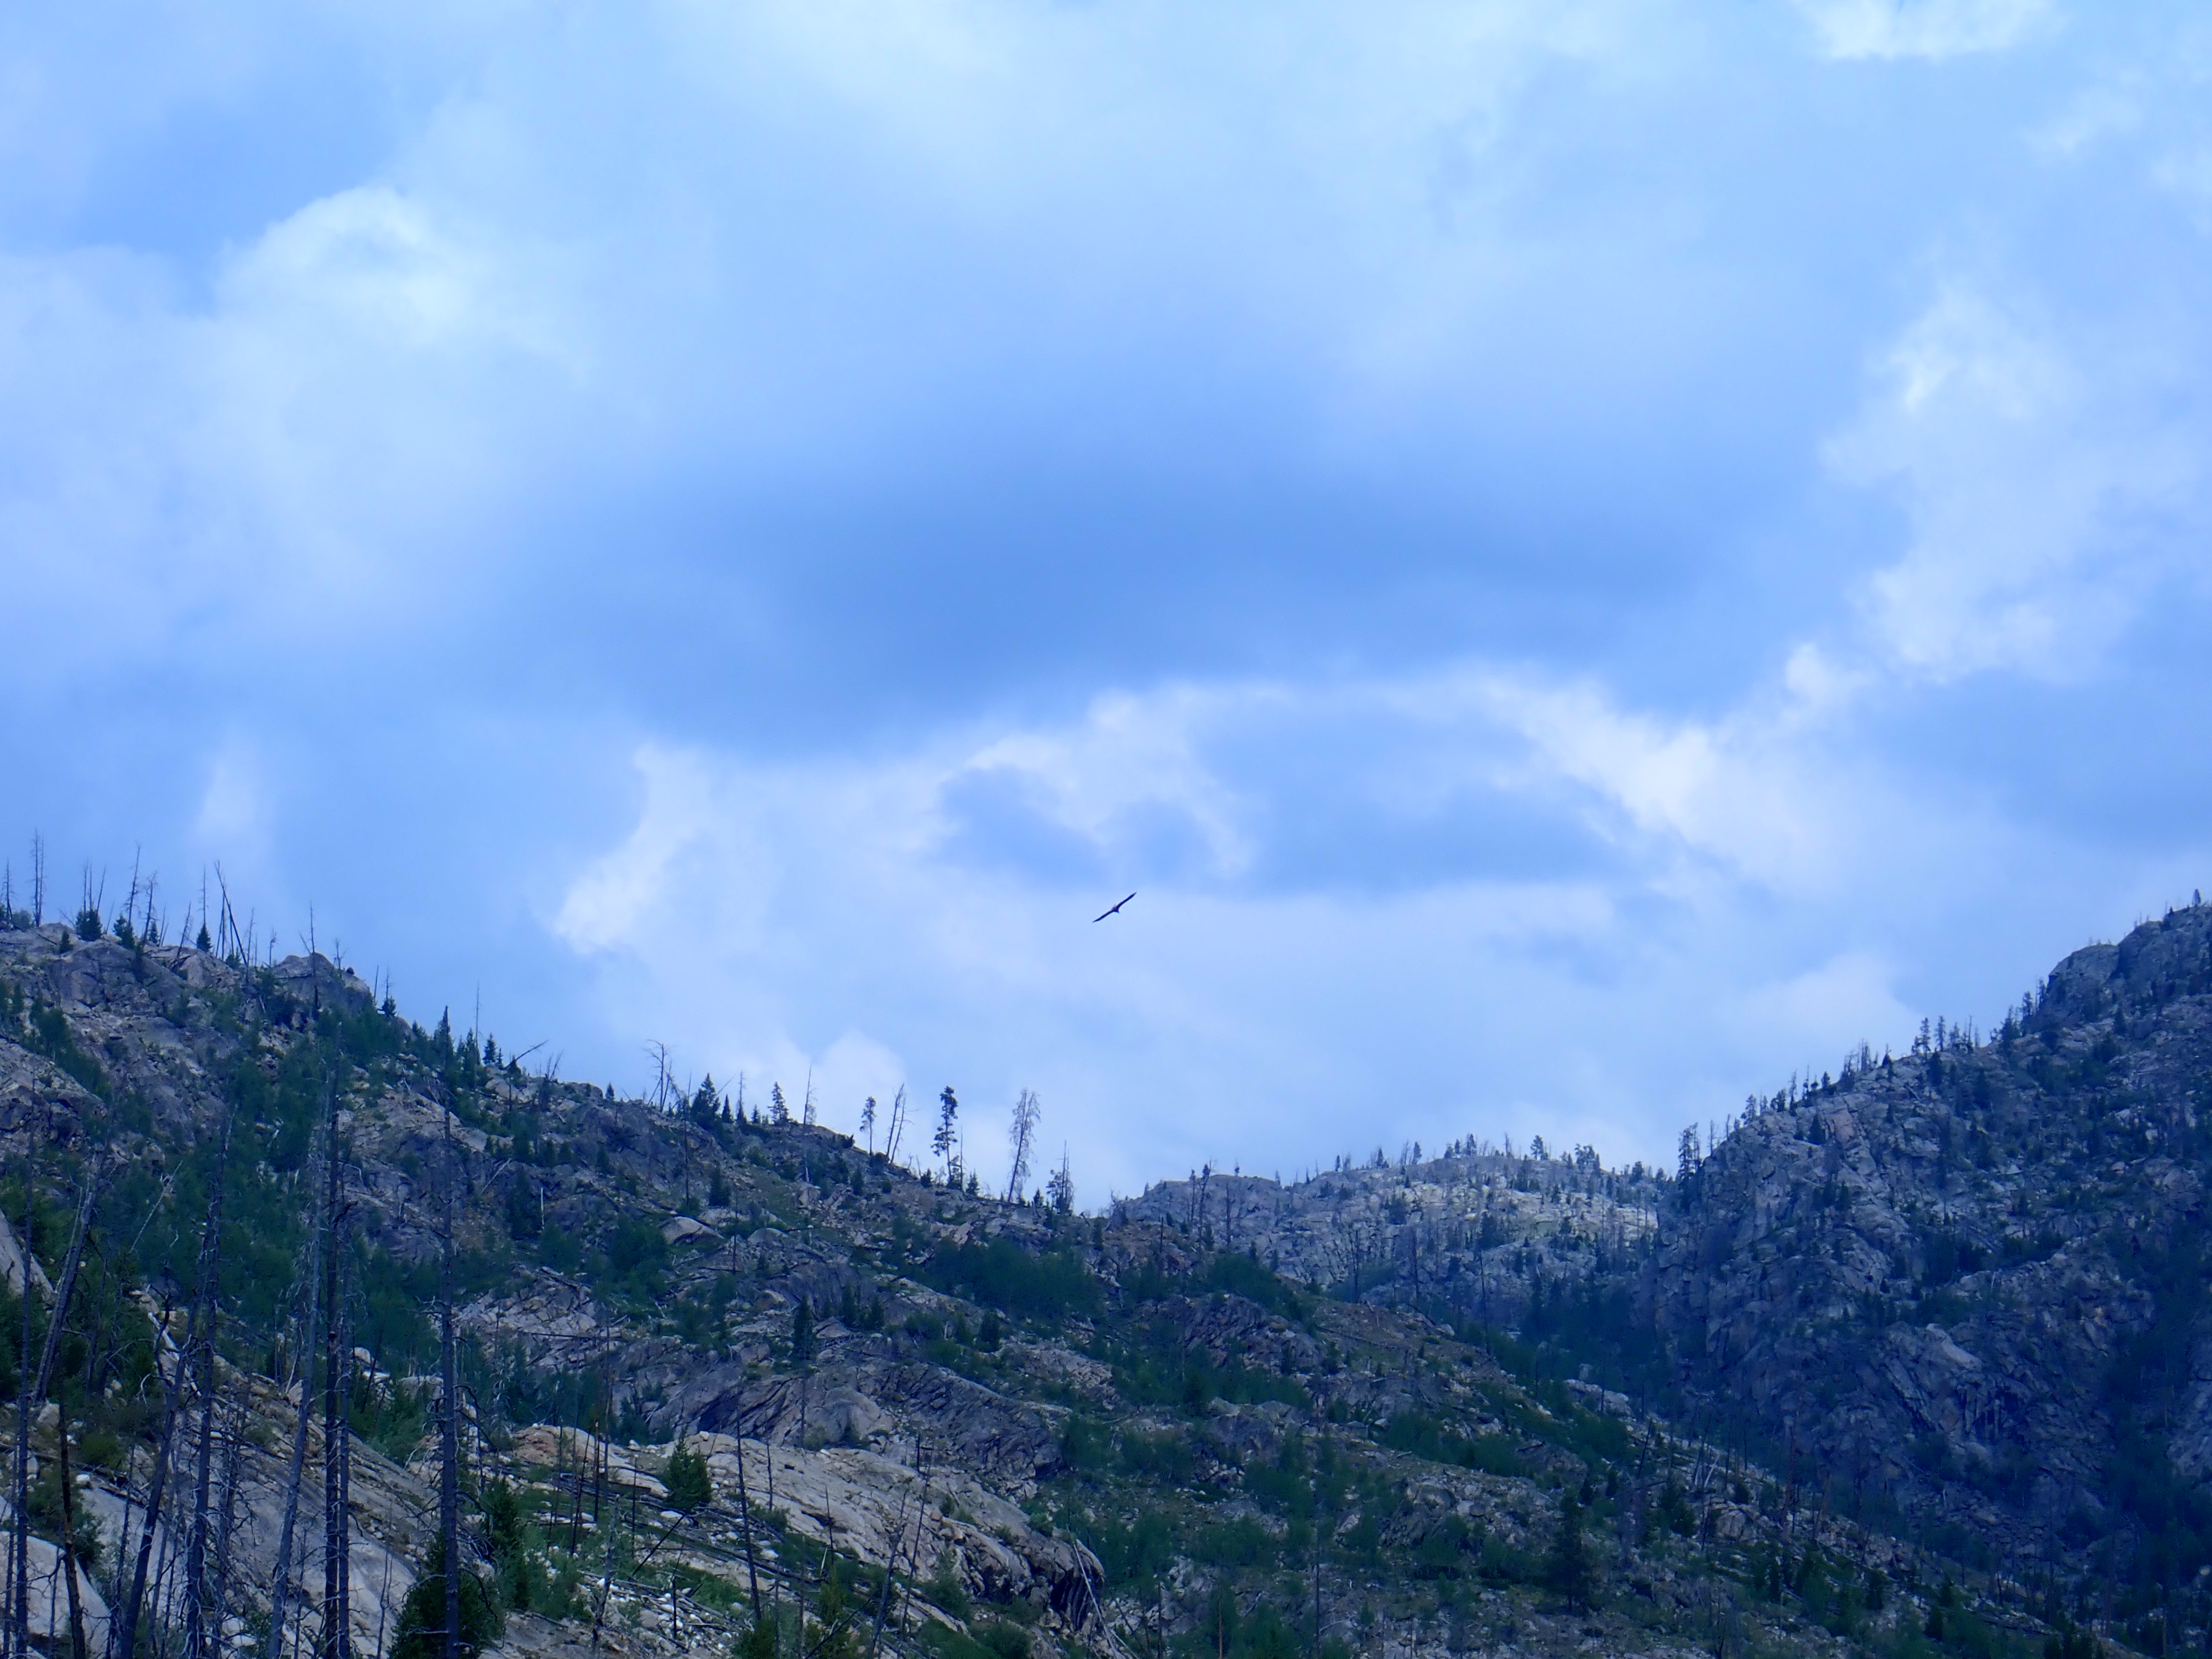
x: 690, y: 1486
x: 1568, y: 1567
x: 422, y: 1616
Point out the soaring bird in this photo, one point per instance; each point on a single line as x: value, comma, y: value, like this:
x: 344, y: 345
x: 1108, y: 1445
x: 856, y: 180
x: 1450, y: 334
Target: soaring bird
x: 1115, y: 911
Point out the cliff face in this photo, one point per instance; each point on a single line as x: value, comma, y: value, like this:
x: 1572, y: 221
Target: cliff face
x: 1959, y: 1294
x: 1964, y: 1286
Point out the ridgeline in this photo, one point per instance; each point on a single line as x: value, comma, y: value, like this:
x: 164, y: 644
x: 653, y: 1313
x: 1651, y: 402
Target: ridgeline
x: 1916, y: 1359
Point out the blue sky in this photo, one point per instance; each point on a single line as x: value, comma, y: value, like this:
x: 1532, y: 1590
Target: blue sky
x: 1581, y: 558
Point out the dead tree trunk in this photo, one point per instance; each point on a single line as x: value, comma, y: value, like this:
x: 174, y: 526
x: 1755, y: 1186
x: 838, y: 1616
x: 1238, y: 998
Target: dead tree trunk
x: 164, y: 1597
x: 67, y: 1285
x: 332, y: 1517
x: 745, y: 1519
x: 576, y: 1512
x: 225, y: 1517
x: 890, y: 1564
x: 123, y: 1538
x: 449, y: 1486
x: 196, y: 1553
x: 77, y: 1649
x: 345, y: 1496
x: 335, y: 1540
x: 281, y: 1590
x: 34, y: 1397
x: 605, y: 1530
x: 19, y: 1559
x: 127, y: 1633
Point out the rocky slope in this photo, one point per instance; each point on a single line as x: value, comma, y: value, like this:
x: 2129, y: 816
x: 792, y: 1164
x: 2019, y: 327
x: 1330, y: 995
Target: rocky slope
x: 1474, y: 1402
x: 1957, y: 1295
x: 1966, y: 1284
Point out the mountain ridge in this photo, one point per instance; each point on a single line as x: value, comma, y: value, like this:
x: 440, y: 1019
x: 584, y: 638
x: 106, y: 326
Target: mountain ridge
x: 1906, y: 1360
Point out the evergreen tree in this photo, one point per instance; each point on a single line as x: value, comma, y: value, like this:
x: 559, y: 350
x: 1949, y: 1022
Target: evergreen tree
x: 948, y: 1134
x: 689, y: 1485
x: 526, y: 1211
x: 706, y: 1103
x: 1568, y: 1567
x: 835, y: 1637
x: 802, y: 1333
x: 422, y: 1616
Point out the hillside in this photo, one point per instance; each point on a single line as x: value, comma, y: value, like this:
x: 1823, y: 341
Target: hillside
x: 1911, y: 1353
x: 1966, y: 1284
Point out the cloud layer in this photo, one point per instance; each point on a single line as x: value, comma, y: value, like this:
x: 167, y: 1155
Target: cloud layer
x: 1580, y: 558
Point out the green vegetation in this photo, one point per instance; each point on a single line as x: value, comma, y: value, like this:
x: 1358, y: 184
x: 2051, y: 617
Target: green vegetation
x: 1262, y: 1468
x: 690, y: 1485
x: 1423, y: 1436
x: 421, y: 1634
x: 1050, y: 1285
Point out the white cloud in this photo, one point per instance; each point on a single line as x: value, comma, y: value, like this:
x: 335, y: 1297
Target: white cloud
x: 375, y: 264
x: 2091, y: 117
x: 1925, y: 28
x: 303, y: 449
x: 1746, y: 790
x: 694, y: 292
x: 754, y: 905
x: 1131, y: 752
x: 2030, y: 469
x: 1823, y: 1010
x: 234, y: 801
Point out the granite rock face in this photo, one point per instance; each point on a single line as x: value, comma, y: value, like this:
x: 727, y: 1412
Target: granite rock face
x: 1962, y: 1280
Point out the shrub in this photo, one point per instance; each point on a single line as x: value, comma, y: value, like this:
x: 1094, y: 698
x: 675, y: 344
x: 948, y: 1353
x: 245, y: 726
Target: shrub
x: 945, y: 1588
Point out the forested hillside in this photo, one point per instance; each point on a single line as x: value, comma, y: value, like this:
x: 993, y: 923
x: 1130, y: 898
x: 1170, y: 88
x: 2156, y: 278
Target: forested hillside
x: 1907, y: 1362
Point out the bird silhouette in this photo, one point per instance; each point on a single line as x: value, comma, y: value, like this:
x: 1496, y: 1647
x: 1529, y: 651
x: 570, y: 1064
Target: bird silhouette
x: 1115, y: 911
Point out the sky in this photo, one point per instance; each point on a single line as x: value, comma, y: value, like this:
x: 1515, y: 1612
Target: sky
x: 1579, y: 557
